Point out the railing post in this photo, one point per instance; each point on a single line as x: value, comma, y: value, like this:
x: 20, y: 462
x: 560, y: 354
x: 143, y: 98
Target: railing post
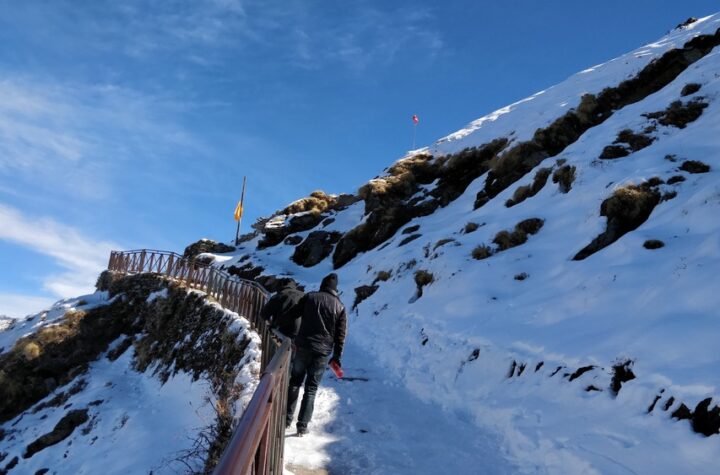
x: 141, y: 267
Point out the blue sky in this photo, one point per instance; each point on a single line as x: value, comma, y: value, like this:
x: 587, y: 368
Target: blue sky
x: 131, y: 124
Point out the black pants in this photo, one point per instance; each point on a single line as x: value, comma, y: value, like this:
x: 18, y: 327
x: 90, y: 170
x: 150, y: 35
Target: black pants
x: 309, y: 366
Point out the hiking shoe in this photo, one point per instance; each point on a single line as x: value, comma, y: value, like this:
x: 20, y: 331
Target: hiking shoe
x: 301, y: 430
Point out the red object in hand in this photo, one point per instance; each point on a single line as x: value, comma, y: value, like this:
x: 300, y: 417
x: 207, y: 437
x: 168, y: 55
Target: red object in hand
x: 336, y: 369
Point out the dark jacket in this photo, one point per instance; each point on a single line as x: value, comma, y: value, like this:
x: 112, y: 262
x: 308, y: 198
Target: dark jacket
x: 324, y: 323
x: 284, y: 310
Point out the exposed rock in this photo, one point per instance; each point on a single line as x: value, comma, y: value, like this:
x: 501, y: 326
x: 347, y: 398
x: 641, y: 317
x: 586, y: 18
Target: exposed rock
x: 62, y: 431
x: 622, y: 373
x: 206, y: 245
x: 675, y: 179
x: 706, y: 421
x: 652, y: 405
x: 293, y: 240
x: 316, y: 247
x: 580, y: 371
x: 614, y: 151
x: 411, y: 229
x: 686, y: 23
x: 653, y: 244
x: 345, y: 200
x: 694, y: 166
x: 690, y: 88
x: 682, y: 412
x: 246, y: 271
x: 363, y: 292
x: 272, y: 236
x: 409, y: 239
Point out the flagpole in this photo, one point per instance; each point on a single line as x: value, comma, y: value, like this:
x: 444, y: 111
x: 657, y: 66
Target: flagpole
x: 242, y: 202
x: 414, y: 133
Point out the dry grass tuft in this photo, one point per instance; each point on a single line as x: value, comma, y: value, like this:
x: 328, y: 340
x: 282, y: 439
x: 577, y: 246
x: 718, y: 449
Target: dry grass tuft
x: 470, y: 228
x: 564, y: 177
x: 31, y: 350
x: 528, y: 191
x: 626, y: 209
x: 317, y: 202
x: 506, y: 239
x: 679, y: 114
x: 423, y: 278
x: 382, y: 276
x: 482, y: 252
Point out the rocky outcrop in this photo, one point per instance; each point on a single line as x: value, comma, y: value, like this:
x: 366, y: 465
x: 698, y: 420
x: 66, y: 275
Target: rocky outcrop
x: 316, y: 247
x: 626, y: 210
x: 206, y: 245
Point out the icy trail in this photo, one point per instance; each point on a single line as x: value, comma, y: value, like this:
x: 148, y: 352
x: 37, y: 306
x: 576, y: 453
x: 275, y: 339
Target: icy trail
x: 378, y: 427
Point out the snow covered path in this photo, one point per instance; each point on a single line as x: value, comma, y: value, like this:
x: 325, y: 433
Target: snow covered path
x: 378, y: 427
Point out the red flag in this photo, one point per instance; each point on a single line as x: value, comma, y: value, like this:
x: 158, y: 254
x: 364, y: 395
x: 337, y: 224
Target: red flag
x: 415, y: 119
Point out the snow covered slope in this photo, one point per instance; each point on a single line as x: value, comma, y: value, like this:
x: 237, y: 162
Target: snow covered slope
x: 112, y: 383
x: 556, y: 284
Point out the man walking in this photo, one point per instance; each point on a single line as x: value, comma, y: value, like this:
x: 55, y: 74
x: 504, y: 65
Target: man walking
x: 322, y: 333
x: 284, y: 310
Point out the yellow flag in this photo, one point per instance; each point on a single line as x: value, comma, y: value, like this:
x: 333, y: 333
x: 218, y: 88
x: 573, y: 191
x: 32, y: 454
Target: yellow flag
x: 238, y: 211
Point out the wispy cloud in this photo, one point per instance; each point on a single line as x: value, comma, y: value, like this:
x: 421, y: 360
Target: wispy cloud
x: 355, y: 34
x: 81, y: 256
x: 73, y: 135
x: 20, y: 305
x: 368, y: 37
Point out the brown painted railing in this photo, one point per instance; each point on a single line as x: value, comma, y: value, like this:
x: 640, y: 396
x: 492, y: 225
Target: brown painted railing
x: 257, y: 444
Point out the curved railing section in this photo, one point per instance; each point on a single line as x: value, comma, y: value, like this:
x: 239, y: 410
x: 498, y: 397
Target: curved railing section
x: 257, y: 444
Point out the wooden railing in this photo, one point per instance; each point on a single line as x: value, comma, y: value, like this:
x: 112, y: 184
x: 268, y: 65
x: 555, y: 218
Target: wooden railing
x: 257, y: 444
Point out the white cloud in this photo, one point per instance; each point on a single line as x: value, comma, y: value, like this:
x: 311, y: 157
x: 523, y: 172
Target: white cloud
x: 20, y: 305
x: 82, y: 257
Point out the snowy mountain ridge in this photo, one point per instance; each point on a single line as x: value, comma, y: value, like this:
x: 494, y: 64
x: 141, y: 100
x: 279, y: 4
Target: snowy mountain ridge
x: 547, y: 272
x: 535, y: 293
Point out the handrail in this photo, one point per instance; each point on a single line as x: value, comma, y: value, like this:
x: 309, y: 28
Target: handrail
x: 258, y: 442
x: 242, y: 454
